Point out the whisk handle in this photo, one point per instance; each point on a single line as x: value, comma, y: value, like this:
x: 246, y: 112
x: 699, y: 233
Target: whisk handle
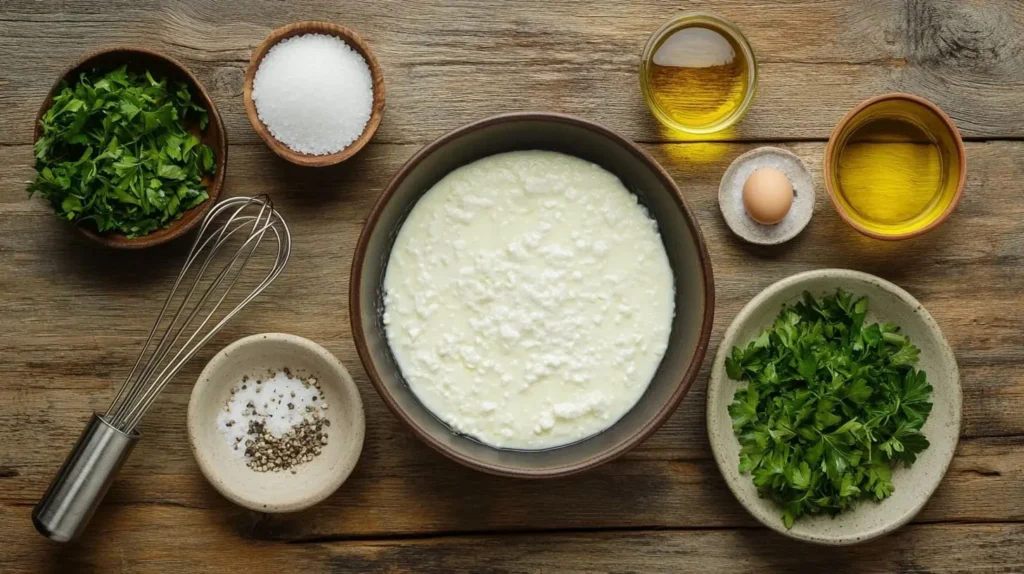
x: 83, y: 480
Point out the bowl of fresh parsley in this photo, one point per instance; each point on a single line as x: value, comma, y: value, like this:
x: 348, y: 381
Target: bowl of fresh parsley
x: 833, y: 406
x: 129, y: 148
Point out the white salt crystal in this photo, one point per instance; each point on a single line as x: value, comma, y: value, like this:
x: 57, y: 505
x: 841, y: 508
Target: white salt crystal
x: 314, y: 93
x: 279, y: 402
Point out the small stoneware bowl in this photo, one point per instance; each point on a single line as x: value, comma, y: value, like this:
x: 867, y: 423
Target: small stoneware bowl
x: 684, y: 245
x: 215, y: 136
x: 887, y: 303
x: 357, y: 44
x: 730, y: 196
x: 275, y: 491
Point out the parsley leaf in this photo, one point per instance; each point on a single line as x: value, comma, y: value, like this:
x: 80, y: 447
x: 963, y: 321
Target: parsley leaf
x: 116, y: 153
x: 831, y: 406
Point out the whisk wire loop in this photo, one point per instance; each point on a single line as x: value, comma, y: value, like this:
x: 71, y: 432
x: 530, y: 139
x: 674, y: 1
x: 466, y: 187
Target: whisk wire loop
x: 251, y: 218
x: 87, y: 473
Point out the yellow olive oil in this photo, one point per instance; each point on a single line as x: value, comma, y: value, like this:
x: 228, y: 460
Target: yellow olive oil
x: 895, y: 168
x: 891, y: 172
x: 696, y: 74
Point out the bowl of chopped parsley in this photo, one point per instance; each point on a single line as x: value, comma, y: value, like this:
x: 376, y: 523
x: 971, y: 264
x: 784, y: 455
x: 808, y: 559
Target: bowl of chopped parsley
x: 129, y: 148
x: 833, y: 406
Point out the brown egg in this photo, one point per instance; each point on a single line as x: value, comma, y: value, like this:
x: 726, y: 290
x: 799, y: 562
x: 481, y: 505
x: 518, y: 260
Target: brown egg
x: 767, y: 195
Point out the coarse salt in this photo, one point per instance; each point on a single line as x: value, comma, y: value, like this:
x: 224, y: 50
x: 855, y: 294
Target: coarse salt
x: 279, y: 402
x: 314, y: 93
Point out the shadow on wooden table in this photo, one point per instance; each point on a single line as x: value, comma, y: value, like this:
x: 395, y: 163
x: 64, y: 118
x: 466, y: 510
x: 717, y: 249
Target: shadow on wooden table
x: 306, y: 191
x: 769, y: 549
x: 111, y: 268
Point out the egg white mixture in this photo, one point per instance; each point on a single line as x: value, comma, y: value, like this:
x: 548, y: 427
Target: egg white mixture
x: 528, y: 299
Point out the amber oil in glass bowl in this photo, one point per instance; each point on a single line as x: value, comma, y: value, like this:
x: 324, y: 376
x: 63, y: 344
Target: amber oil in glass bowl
x: 698, y: 74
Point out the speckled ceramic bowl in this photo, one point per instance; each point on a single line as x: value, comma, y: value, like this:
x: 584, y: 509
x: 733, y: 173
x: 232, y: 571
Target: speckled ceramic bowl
x: 730, y: 196
x: 914, y: 485
x: 275, y: 491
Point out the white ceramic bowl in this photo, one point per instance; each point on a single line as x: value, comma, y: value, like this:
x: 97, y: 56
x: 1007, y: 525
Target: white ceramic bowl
x: 914, y: 485
x: 275, y: 491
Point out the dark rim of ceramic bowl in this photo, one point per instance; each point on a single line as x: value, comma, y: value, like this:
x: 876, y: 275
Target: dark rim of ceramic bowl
x: 666, y: 410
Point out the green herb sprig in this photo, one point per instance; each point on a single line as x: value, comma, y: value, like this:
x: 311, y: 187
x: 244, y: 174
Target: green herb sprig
x: 831, y: 406
x: 115, y: 154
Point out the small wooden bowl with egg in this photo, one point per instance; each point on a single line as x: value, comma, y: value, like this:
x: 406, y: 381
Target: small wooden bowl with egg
x: 356, y: 43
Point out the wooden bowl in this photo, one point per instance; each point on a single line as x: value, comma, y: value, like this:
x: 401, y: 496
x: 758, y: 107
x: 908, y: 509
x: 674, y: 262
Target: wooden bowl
x: 356, y: 43
x: 926, y: 116
x: 684, y: 244
x: 215, y: 135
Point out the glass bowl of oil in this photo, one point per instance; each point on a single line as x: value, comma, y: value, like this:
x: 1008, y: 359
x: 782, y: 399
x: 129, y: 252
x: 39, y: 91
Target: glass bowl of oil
x: 698, y: 74
x: 895, y: 166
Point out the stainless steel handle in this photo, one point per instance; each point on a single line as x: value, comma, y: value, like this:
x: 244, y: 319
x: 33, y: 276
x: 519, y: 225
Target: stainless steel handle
x: 83, y: 480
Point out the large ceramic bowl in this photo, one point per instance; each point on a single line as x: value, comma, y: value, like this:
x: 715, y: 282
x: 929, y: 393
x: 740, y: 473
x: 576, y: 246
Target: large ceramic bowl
x: 687, y: 255
x: 887, y: 303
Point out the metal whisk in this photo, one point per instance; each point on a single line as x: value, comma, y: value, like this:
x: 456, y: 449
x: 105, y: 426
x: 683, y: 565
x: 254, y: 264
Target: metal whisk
x: 231, y: 233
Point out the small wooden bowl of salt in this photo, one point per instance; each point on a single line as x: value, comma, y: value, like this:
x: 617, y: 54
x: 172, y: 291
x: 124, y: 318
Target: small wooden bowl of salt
x: 314, y: 93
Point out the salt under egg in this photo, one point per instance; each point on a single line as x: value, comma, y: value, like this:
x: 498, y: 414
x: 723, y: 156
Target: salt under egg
x: 767, y: 195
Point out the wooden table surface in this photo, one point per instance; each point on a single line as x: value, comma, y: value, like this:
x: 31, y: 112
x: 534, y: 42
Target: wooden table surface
x: 74, y: 313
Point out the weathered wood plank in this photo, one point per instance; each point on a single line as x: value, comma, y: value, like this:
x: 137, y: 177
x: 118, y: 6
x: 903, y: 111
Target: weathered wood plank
x: 401, y: 488
x: 447, y: 63
x: 76, y: 314
x: 137, y: 539
x: 64, y: 287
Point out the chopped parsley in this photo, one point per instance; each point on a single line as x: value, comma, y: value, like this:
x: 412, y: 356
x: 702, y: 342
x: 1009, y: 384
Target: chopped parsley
x: 831, y: 406
x: 115, y: 153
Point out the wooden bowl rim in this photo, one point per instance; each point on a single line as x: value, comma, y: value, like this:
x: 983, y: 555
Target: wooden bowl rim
x: 830, y: 149
x: 179, y: 226
x: 356, y: 42
x: 629, y: 442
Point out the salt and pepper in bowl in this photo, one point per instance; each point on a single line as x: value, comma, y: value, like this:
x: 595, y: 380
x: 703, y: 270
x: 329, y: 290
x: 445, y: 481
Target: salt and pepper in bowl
x: 275, y: 422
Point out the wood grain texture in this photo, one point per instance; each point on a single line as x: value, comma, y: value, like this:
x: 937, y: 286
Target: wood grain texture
x: 150, y: 545
x: 449, y: 62
x: 74, y: 302
x: 74, y: 313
